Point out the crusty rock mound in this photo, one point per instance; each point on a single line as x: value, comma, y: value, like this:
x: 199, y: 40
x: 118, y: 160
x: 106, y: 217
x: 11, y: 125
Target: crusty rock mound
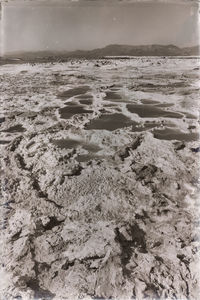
x: 124, y: 226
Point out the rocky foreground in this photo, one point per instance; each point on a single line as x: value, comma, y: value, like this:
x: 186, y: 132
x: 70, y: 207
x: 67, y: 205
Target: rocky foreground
x: 120, y: 223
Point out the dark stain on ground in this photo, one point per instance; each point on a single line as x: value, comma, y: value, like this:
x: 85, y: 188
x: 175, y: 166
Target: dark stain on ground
x: 21, y: 162
x: 16, y: 143
x: 2, y: 120
x: 39, y: 293
x: 137, y: 240
x: 152, y: 290
x: 36, y: 187
x: 52, y: 223
x: 146, y: 172
x: 67, y: 265
x: 195, y: 150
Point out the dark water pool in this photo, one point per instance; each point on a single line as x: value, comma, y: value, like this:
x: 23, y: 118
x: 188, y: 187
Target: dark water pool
x: 149, y: 101
x: 71, y: 103
x: 73, y: 92
x: 112, y: 96
x: 115, y: 121
x: 66, y: 143
x: 84, y: 96
x: 151, y: 111
x: 164, y: 105
x: 115, y: 97
x: 71, y: 144
x: 110, y: 122
x: 68, y: 111
x: 92, y: 149
x: 85, y: 157
x: 190, y: 116
x: 2, y: 142
x: 175, y: 134
x: 16, y: 128
x: 86, y: 101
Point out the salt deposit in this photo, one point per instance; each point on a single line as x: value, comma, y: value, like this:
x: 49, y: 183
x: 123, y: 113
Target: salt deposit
x: 100, y: 180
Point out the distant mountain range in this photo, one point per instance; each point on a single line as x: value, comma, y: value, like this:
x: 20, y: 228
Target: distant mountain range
x: 128, y: 50
x: 110, y: 50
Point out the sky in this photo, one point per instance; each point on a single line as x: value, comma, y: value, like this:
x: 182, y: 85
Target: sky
x: 72, y: 25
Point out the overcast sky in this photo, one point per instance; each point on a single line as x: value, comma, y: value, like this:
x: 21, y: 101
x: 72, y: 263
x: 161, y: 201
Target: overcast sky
x: 91, y: 24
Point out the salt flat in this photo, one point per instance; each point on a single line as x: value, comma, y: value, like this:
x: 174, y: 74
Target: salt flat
x: 100, y: 179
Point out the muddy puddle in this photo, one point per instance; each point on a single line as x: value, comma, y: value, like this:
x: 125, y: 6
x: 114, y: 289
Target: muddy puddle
x: 151, y: 87
x: 112, y: 96
x: 66, y: 143
x: 155, y: 103
x: 115, y: 121
x: 92, y: 153
x: 145, y: 126
x: 91, y: 149
x: 73, y: 92
x: 115, y: 97
x: 69, y: 111
x: 2, y: 142
x: 71, y: 103
x: 110, y: 122
x: 16, y: 128
x: 85, y: 96
x: 164, y: 105
x: 110, y: 105
x: 175, y: 134
x: 86, y: 101
x: 190, y: 116
x: 151, y: 111
x: 148, y: 101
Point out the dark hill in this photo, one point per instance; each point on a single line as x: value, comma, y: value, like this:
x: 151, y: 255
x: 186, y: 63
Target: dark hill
x: 110, y: 50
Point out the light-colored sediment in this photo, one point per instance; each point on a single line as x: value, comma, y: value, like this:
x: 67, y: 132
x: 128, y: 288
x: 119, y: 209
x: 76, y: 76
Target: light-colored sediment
x: 124, y: 223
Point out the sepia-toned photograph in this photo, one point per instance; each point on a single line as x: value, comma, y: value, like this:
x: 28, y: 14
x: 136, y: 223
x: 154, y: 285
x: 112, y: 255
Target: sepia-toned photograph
x: 99, y: 149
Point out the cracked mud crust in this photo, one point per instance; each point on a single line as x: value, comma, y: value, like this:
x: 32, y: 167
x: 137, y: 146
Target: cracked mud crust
x: 97, y: 213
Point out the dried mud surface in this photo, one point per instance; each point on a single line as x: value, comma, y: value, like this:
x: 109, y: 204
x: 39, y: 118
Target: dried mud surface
x: 99, y: 209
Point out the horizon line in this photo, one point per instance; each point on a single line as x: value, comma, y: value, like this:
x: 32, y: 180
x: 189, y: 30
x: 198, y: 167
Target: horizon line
x: 98, y: 48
